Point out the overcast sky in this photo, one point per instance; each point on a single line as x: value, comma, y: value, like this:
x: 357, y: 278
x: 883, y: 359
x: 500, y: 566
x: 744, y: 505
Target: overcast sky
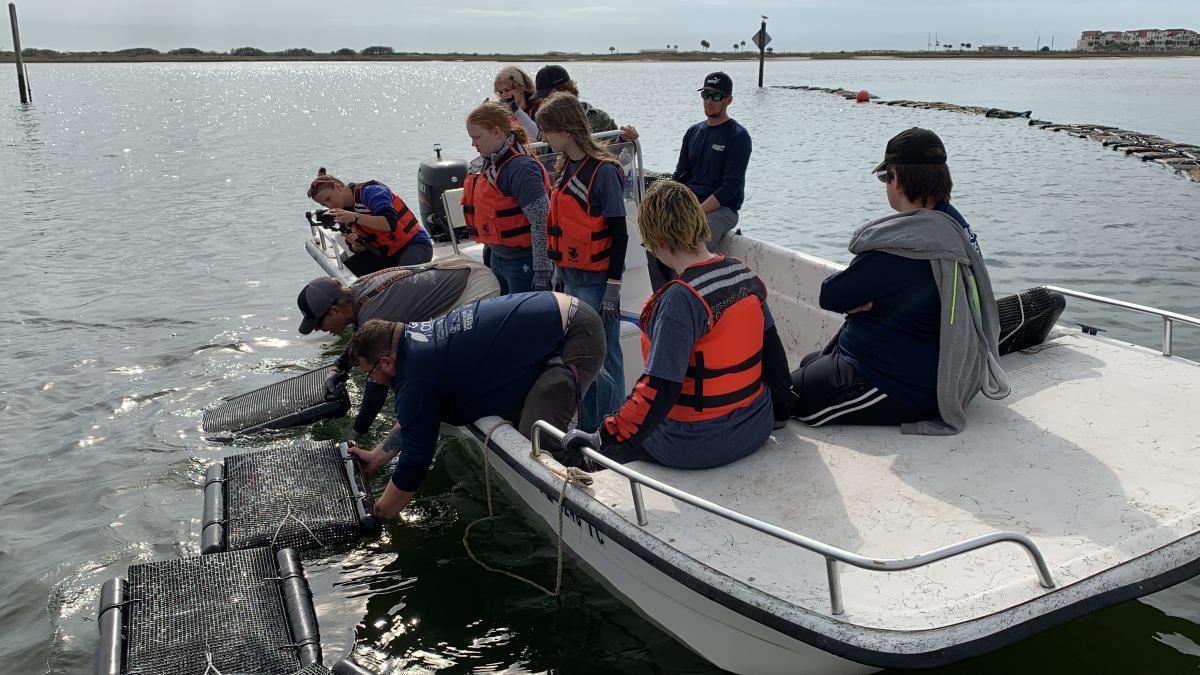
x: 587, y: 26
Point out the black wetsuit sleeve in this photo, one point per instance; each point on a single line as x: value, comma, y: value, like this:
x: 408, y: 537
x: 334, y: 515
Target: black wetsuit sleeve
x: 374, y: 396
x: 343, y: 363
x: 393, y: 218
x: 647, y: 406
x: 619, y: 231
x: 776, y: 374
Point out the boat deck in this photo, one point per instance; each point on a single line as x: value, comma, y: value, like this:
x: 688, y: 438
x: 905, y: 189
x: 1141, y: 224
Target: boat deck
x: 1059, y: 460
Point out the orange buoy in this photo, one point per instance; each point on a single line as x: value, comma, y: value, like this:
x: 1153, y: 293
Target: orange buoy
x: 863, y: 96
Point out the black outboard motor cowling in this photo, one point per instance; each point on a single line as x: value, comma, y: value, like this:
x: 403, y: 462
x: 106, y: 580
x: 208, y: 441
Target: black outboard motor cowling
x: 435, y: 176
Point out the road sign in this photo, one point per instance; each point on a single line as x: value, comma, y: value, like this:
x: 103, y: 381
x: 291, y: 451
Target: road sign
x: 761, y: 38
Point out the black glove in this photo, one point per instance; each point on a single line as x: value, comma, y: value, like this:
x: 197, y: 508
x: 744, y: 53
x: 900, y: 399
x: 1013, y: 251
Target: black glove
x: 610, y: 307
x: 512, y: 103
x: 576, y: 439
x: 335, y: 385
x: 541, y: 280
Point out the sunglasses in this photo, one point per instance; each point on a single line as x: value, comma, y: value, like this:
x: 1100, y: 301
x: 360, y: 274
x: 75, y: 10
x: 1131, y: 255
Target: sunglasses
x: 883, y: 176
x: 716, y: 96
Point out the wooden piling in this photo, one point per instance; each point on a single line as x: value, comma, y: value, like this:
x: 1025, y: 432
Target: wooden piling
x: 21, y: 83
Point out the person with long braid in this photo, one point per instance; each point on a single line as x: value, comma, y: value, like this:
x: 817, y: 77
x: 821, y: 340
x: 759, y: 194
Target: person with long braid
x: 716, y: 380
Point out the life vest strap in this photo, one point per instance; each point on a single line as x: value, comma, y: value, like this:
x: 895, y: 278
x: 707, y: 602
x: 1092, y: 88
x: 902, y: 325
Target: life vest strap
x: 700, y: 403
x: 504, y: 213
x: 516, y: 231
x: 699, y: 371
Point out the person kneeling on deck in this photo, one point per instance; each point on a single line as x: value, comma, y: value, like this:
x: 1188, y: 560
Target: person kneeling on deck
x: 716, y: 376
x: 403, y: 294
x: 920, y: 336
x: 384, y: 231
x: 526, y: 356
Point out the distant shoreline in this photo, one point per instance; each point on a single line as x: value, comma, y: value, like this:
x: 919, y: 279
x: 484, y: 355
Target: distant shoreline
x: 110, y: 57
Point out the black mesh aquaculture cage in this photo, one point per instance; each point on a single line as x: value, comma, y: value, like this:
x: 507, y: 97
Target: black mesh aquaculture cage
x: 302, y: 496
x: 1027, y: 317
x: 237, y: 612
x: 297, y: 400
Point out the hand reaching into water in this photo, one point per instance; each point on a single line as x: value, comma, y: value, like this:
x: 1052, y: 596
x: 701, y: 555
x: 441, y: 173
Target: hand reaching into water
x: 371, y: 460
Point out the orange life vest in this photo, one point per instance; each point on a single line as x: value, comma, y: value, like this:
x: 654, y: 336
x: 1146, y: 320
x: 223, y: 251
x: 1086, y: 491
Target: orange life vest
x: 493, y: 217
x: 388, y: 243
x: 575, y: 238
x: 725, y: 369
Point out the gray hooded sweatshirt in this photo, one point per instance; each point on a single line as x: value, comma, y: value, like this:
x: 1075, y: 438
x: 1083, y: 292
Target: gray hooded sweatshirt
x: 968, y: 359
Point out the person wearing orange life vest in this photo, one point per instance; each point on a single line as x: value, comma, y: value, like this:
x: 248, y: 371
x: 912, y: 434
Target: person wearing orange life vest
x: 716, y: 378
x: 384, y: 231
x: 587, y: 236
x: 505, y: 201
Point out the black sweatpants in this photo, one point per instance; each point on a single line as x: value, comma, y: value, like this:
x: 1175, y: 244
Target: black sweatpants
x: 830, y: 390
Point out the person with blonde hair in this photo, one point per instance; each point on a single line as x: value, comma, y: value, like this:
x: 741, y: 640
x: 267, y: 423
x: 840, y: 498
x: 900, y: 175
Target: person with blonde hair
x: 384, y: 231
x: 514, y: 87
x: 506, y: 201
x: 716, y: 379
x: 587, y: 236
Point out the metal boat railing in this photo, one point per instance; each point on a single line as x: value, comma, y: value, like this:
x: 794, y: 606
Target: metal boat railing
x: 1168, y: 318
x: 832, y: 554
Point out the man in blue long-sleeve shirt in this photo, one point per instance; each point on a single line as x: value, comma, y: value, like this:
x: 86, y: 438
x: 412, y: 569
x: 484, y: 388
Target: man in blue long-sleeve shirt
x: 712, y: 163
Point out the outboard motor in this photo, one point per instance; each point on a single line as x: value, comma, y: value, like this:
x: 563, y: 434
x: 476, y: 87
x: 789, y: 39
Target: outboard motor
x: 433, y: 178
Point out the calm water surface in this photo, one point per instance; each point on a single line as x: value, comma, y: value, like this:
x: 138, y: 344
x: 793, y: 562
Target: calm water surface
x: 155, y: 251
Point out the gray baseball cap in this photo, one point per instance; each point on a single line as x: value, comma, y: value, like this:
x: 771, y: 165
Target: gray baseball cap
x: 316, y: 299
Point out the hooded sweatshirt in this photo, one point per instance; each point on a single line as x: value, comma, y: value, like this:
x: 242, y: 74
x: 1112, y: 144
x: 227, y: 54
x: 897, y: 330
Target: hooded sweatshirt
x: 968, y: 359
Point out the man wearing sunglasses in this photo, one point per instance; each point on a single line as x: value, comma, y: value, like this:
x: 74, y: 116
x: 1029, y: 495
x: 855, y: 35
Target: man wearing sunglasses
x: 526, y: 356
x: 921, y: 330
x: 712, y: 163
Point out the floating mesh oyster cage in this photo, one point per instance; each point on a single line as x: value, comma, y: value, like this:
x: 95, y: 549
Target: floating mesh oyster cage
x: 292, y: 402
x: 303, y: 496
x: 1027, y: 317
x: 243, y: 611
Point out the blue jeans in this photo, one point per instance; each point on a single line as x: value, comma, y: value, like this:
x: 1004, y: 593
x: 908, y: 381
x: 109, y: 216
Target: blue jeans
x: 607, y: 392
x: 514, y: 274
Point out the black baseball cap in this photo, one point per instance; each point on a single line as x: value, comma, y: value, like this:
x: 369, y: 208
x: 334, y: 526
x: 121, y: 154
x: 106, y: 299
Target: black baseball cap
x: 913, y: 146
x: 315, y: 301
x: 548, y: 78
x: 718, y: 82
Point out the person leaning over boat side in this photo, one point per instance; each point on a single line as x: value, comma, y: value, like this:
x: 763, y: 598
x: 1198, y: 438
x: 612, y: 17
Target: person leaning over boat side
x: 554, y: 79
x: 403, y: 294
x: 446, y: 370
x: 716, y: 378
x: 921, y: 329
x: 712, y: 163
x: 506, y: 200
x: 385, y: 232
x: 587, y: 236
x: 515, y: 89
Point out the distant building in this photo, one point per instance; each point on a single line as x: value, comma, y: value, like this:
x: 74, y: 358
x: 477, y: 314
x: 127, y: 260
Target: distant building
x: 1142, y: 40
x: 994, y: 48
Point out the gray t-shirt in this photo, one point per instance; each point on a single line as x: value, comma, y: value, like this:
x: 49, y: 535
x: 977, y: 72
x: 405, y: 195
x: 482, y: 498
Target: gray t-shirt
x: 420, y: 296
x: 679, y: 322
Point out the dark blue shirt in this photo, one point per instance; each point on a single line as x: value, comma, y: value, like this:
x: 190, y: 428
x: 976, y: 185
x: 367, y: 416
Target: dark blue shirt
x: 713, y: 160
x: 478, y: 360
x: 378, y: 198
x: 894, y: 345
x: 945, y: 208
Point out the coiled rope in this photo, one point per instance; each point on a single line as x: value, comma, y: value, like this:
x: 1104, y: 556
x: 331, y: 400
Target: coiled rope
x: 570, y: 476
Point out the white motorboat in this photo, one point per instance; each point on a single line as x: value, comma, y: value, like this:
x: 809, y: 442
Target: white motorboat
x: 847, y: 549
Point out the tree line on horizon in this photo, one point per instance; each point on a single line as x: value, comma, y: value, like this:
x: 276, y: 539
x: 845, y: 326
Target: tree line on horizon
x: 374, y: 50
